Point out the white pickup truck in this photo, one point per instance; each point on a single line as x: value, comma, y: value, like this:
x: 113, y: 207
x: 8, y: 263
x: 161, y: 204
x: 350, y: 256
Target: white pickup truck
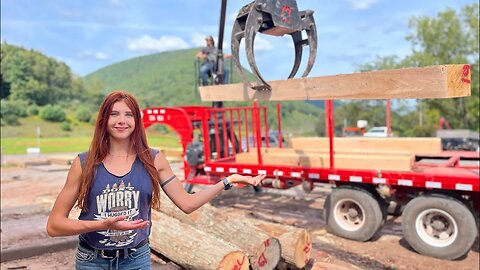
x: 378, y: 132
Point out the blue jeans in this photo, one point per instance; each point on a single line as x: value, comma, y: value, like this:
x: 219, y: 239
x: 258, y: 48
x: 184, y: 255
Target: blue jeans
x: 91, y: 260
x: 205, y: 72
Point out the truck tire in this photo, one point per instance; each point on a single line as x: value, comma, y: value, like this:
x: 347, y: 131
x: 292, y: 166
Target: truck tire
x: 353, y: 213
x: 439, y: 226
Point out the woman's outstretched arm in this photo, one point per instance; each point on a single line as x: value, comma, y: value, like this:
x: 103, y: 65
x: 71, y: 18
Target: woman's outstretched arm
x: 191, y: 202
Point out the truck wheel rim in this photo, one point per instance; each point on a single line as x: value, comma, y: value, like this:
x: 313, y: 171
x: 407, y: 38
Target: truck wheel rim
x: 349, y: 215
x: 436, y: 227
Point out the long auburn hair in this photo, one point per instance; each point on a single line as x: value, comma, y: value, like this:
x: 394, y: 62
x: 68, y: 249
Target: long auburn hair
x: 101, y: 144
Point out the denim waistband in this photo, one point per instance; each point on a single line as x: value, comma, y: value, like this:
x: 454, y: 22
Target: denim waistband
x: 112, y: 253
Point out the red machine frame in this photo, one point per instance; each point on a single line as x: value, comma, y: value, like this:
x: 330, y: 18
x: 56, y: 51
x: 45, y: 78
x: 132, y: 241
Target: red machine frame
x: 451, y: 175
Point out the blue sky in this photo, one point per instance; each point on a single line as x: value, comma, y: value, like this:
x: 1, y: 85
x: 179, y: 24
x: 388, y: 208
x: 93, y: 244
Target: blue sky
x: 90, y: 34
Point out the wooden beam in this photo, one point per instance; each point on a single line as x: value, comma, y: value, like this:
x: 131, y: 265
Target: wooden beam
x: 342, y: 161
x: 369, y: 145
x: 275, y: 150
x: 441, y: 81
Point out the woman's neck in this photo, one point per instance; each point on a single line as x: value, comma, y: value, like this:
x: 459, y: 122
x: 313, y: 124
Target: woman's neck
x: 121, y: 148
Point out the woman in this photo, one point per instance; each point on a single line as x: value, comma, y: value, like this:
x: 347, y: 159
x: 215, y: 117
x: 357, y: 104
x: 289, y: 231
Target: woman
x: 115, y: 184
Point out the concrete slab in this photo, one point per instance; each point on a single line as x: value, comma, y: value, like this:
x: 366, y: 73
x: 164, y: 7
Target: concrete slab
x: 51, y: 168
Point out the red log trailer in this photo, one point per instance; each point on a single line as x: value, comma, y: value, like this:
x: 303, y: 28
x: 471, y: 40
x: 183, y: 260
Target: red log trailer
x: 439, y: 198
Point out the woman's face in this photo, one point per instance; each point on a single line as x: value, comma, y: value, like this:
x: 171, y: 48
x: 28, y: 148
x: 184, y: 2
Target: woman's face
x: 121, y: 122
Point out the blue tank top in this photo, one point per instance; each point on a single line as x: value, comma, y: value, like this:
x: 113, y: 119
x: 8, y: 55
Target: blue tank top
x: 110, y: 196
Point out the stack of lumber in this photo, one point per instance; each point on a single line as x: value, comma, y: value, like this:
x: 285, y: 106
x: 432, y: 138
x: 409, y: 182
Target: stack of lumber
x: 379, y: 145
x: 350, y: 153
x: 212, y: 239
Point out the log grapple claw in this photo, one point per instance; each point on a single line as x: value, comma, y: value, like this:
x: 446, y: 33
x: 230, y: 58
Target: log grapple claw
x: 276, y: 18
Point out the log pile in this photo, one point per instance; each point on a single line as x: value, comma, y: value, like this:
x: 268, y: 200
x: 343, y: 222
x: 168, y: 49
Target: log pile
x: 192, y: 248
x: 212, y: 239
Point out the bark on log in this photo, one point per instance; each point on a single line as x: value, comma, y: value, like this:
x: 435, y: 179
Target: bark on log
x: 192, y: 248
x: 296, y: 242
x: 263, y: 250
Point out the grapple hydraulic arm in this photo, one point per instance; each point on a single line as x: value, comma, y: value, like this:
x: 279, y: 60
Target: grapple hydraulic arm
x: 275, y: 18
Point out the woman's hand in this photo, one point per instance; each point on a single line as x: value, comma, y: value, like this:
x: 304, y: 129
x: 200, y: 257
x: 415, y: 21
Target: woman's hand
x: 120, y: 224
x: 237, y: 179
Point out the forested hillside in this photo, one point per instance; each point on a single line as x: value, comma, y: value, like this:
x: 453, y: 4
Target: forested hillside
x: 168, y: 79
x: 35, y: 85
x: 30, y: 76
x: 163, y: 79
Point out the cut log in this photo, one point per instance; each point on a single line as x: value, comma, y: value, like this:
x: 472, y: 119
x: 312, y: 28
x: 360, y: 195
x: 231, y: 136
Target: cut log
x: 296, y: 242
x: 372, y: 162
x: 441, y: 81
x: 410, y: 145
x: 263, y: 250
x: 192, y: 248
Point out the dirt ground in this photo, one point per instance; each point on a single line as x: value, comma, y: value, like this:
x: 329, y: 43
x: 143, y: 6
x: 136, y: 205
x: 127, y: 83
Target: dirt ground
x: 28, y: 193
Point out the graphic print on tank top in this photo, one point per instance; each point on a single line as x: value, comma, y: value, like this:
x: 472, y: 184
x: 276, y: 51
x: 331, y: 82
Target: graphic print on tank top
x: 118, y: 200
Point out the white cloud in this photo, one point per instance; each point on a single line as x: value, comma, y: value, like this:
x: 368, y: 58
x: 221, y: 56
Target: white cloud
x: 198, y: 39
x: 96, y: 55
x: 262, y: 44
x: 361, y: 4
x: 146, y: 43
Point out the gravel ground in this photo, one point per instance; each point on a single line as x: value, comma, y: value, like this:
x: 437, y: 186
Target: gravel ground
x: 28, y: 193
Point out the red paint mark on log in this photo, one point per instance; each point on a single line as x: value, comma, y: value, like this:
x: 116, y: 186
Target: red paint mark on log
x: 262, y: 260
x: 266, y: 243
x: 238, y: 265
x: 308, y: 246
x: 465, y: 73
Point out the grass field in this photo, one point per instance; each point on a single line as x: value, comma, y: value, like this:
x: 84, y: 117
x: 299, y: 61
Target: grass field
x: 16, y: 139
x: 71, y: 144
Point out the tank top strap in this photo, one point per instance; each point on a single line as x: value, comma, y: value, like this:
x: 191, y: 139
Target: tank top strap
x: 83, y: 158
x: 154, y: 152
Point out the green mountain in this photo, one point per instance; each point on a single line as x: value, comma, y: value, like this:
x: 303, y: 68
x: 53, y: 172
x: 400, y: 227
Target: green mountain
x: 163, y: 79
x: 168, y: 79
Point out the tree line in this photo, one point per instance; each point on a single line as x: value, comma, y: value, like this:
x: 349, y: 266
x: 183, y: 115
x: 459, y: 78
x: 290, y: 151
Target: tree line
x: 33, y: 83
